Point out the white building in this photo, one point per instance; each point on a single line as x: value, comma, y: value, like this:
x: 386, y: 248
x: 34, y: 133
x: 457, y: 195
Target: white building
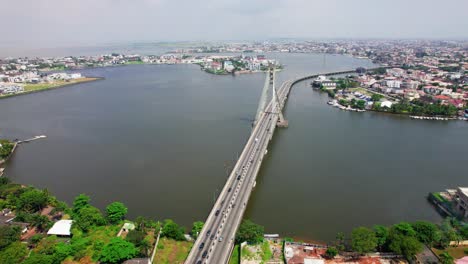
x: 61, y: 228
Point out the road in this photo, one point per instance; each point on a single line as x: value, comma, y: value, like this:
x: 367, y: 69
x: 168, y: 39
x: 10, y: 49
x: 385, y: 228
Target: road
x: 216, y: 240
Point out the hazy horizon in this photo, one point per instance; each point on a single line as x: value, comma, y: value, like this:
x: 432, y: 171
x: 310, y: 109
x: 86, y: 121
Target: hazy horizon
x: 55, y: 23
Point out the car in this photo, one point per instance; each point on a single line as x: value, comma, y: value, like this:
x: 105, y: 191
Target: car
x: 204, y: 254
x: 220, y: 239
x: 211, y: 237
x: 238, y: 177
x: 256, y: 139
x: 201, y: 245
x: 217, y: 212
x: 230, y: 188
x: 199, y: 262
x: 208, y: 232
x: 222, y: 202
x: 233, y: 205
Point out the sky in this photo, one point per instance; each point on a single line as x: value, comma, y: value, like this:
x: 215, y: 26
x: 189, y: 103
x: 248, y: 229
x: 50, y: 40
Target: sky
x: 54, y: 23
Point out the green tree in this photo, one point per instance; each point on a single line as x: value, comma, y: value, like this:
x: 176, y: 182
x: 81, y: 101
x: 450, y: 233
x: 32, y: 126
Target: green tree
x: 331, y: 252
x: 196, y: 229
x: 116, y: 211
x: 376, y: 97
x: 80, y: 202
x: 14, y: 253
x: 446, y: 258
x: 405, y: 245
x: 32, y: 200
x: 117, y: 251
x: 88, y: 217
x: 250, y: 232
x: 62, y: 251
x: 172, y: 230
x: 381, y: 233
x: 5, y: 148
x: 464, y: 232
x: 363, y: 240
x: 40, y: 221
x: 37, y: 258
x: 340, y: 241
x: 8, y: 235
x: 136, y: 237
x: 427, y: 233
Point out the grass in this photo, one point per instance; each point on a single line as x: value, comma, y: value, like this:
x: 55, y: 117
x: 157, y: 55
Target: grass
x: 246, y: 253
x: 172, y: 252
x: 235, y: 258
x: 44, y: 86
x: 456, y: 252
x: 134, y: 62
x: 439, y: 197
x: 266, y: 251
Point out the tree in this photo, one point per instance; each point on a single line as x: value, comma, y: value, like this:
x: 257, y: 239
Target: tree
x: 331, y: 252
x: 32, y: 200
x: 88, y: 217
x: 196, y: 229
x: 80, y: 202
x: 117, y: 251
x: 446, y: 258
x: 363, y: 240
x: 376, y: 97
x: 250, y: 232
x: 340, y: 241
x: 381, y: 233
x: 8, y: 235
x: 464, y: 232
x: 427, y: 233
x: 14, y: 253
x: 172, y: 230
x: 116, y: 211
x: 407, y: 246
x: 40, y: 221
x: 136, y: 237
x: 37, y: 258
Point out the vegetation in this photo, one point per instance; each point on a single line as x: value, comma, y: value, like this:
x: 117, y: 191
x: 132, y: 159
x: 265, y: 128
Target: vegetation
x: 406, y: 239
x: 418, y: 107
x: 172, y: 230
x: 250, y: 232
x: 331, y: 252
x: 116, y: 212
x: 117, y: 251
x: 196, y: 229
x: 5, y: 148
x: 364, y: 240
x: 171, y: 251
x: 235, y: 257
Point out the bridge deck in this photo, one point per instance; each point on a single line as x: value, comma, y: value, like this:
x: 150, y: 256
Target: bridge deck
x: 216, y: 240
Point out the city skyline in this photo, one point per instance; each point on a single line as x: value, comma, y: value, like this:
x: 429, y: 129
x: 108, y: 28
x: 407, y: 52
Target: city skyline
x: 55, y: 23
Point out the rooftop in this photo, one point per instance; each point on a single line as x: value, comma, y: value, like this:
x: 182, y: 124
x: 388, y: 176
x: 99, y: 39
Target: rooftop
x: 61, y: 228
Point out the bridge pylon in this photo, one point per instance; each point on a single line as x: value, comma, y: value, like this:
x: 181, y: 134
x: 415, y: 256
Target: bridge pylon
x: 269, y: 87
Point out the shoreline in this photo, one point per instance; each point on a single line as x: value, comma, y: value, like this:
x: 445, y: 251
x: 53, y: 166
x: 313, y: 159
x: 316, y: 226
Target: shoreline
x: 86, y: 80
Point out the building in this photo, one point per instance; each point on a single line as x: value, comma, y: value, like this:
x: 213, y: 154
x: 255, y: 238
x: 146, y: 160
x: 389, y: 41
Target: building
x: 322, y: 81
x: 61, y: 228
x: 462, y: 201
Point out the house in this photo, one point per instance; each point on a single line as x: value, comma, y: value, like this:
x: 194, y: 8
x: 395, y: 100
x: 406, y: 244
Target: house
x: 322, y: 81
x: 387, y: 104
x: 61, y: 228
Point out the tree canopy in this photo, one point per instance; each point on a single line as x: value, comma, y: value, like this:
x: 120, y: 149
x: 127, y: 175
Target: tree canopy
x: 363, y: 240
x: 117, y: 251
x: 116, y: 211
x: 250, y: 232
x: 196, y: 229
x: 172, y: 230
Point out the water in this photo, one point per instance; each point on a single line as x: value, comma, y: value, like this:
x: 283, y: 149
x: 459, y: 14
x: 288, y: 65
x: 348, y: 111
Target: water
x: 160, y: 137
